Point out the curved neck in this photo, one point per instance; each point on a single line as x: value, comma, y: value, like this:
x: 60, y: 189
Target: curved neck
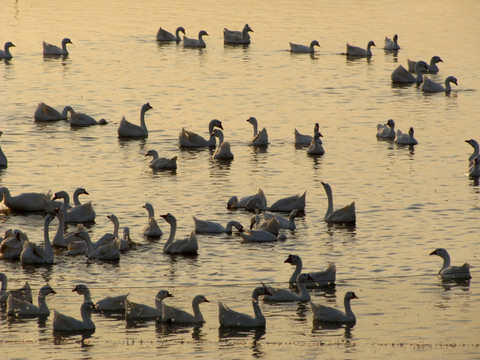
x: 448, y: 87
x: 47, y: 246
x: 173, y: 229
x: 304, y: 294
x: 197, y: 314
x: 419, y: 77
x: 298, y: 270
x: 87, y: 318
x: 245, y: 34
x: 446, y: 262
x: 220, y: 138
x: 255, y: 128
x: 154, y: 154
x: 256, y: 309
x: 88, y: 243
x: 42, y: 304
x: 330, y: 203
x: 61, y: 225
x: 86, y: 295
x: 142, y: 119
x: 116, y: 226
x: 64, y: 47
x: 76, y: 200
x: 66, y: 201
x: 151, y: 212
x: 177, y: 34
x: 348, y: 309
x: 66, y: 109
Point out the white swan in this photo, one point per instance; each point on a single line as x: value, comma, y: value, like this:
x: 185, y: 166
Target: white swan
x: 128, y: 130
x: 161, y: 163
x: 66, y: 323
x: 401, y: 76
x: 223, y: 151
x: 391, y: 44
x: 231, y: 318
x: 260, y: 236
x: 406, y: 139
x: 386, y: 131
x: 279, y: 295
x: 184, y: 246
x: 306, y: 140
x: 44, y: 112
x: 78, y: 214
x: 3, y: 158
x: 164, y: 35
x: 321, y: 278
x: 449, y: 272
x: 271, y: 225
x: 237, y: 37
x: 191, y: 139
x: 108, y: 251
x: 23, y: 293
x: 80, y: 119
x: 316, y: 147
x: 283, y: 223
x: 12, y: 244
x: 343, y: 215
x: 110, y: 303
x: 234, y: 203
x: 304, y: 49
x: 431, y: 86
x: 203, y: 226
x: 474, y: 169
x: 19, y: 307
x: 5, y: 54
x: 27, y: 202
x: 358, y: 51
x: 195, y: 43
x: 178, y: 316
x: 152, y: 228
x: 62, y: 239
x: 49, y: 49
x: 287, y: 204
x: 260, y: 138
x: 329, y: 314
x: 476, y: 151
x: 431, y: 68
x: 33, y: 254
x: 141, y: 311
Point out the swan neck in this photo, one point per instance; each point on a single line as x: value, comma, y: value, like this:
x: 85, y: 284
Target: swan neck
x: 448, y: 87
x: 3, y: 279
x: 446, y: 261
x: 61, y: 225
x: 197, y: 314
x: 173, y: 230
x: 42, y: 304
x: 330, y: 203
x: 66, y: 109
x: 142, y: 119
x: 116, y: 226
x: 255, y: 129
x: 256, y: 309
x: 304, y: 294
x: 220, y: 138
x: 76, y: 200
x: 66, y: 201
x: 348, y: 309
x: 151, y: 212
x: 87, y: 318
x: 298, y: 270
x: 46, y: 237
x: 88, y: 242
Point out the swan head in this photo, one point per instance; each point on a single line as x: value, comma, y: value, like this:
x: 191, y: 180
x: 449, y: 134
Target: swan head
x: 350, y: 295
x: 169, y: 218
x: 395, y: 38
x: 451, y: 79
x: 232, y: 203
x: 472, y: 142
x: 81, y: 289
x: 8, y: 44
x: 181, y: 29
x: 199, y: 299
x: 45, y: 290
x: 163, y: 294
x: 112, y: 217
x: 146, y: 107
x: 316, y: 128
x: 436, y: 59
x: 87, y: 306
x: 440, y: 252
x: 60, y: 195
x: 252, y: 120
x: 371, y: 43
x: 151, y: 153
x: 81, y: 191
x: 215, y: 123
x: 410, y: 131
x: 247, y: 28
x: 148, y: 206
x: 326, y: 186
x: 293, y: 259
x: 202, y: 33
x: 66, y: 41
x: 317, y: 135
x: 304, y: 277
x: 391, y: 123
x: 314, y: 43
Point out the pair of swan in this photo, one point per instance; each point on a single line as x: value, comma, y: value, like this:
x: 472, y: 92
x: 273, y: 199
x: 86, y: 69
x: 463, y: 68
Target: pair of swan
x: 315, y: 147
x: 183, y: 246
x: 320, y: 278
x: 360, y: 52
x: 164, y: 35
x: 21, y: 307
x: 23, y: 293
x: 27, y: 202
x: 281, y: 295
x: 65, y: 323
x: 137, y: 311
x: 324, y: 313
x: 110, y: 303
x: 33, y: 254
x: 191, y: 139
x: 433, y: 87
x: 5, y: 53
x: 195, y: 43
x: 304, y: 49
x: 406, y: 139
x: 306, y: 140
x: 432, y: 68
x: 128, y: 130
x: 45, y: 112
x: 81, y: 120
x: 344, y: 215
x: 3, y: 158
x: 449, y: 272
x: 401, y: 76
x: 234, y: 203
x: 391, y: 44
x: 152, y: 228
x: 260, y: 138
x: 80, y: 213
x: 223, y: 150
x: 204, y: 226
x: 387, y: 130
x: 49, y: 49
x: 237, y: 37
x: 158, y: 163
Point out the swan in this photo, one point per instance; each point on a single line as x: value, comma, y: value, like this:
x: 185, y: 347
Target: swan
x: 128, y: 130
x: 431, y: 68
x: 357, y: 51
x: 305, y: 140
x: 108, y: 251
x: 27, y: 202
x: 260, y: 138
x: 19, y: 307
x: 271, y: 225
x: 474, y: 169
x: 110, y: 303
x: 431, y: 86
x: 190, y: 139
x: 33, y: 254
x: 234, y: 203
x: 80, y: 119
x: 231, y: 318
x: 109, y: 237
x: 401, y: 76
x: 152, y: 228
x: 237, y: 37
x: 223, y: 150
x: 321, y: 278
x: 283, y: 223
x: 5, y: 54
x: 49, y: 49
x: 476, y: 151
x: 24, y: 293
x: 62, y: 239
x: 448, y: 272
x: 161, y: 163
x: 178, y: 316
x: 343, y: 215
x: 63, y: 322
x: 392, y: 44
x: 184, y: 246
x: 203, y: 226
x: 329, y: 314
x: 164, y: 35
x: 79, y: 246
x: 44, y: 112
x: 78, y: 214
x: 12, y: 245
x: 316, y: 147
x: 3, y: 158
x: 304, y: 49
x: 287, y: 204
x: 195, y: 43
x: 406, y: 139
x: 258, y: 236
x: 140, y: 311
x: 279, y: 295
x: 386, y: 131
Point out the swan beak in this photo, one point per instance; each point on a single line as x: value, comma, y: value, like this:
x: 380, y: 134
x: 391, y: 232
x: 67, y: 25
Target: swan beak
x: 206, y: 300
x: 53, y: 292
x: 164, y: 216
x: 76, y: 287
x: 355, y: 297
x: 434, y: 252
x: 288, y: 260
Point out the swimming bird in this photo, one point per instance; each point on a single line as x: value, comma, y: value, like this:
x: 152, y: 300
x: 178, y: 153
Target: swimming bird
x: 12, y: 244
x: 401, y: 76
x: 178, y: 316
x: 431, y: 86
x: 449, y: 272
x: 357, y: 51
x: 49, y: 49
x: 27, y: 202
x: 289, y: 203
x: 3, y: 158
x: 152, y: 228
x: 204, y: 226
x: 78, y: 214
x: 476, y: 151
x: 23, y: 293
x: 66, y: 323
x: 386, y: 131
x: 391, y: 44
x: 128, y: 130
x: 20, y: 307
x: 280, y: 295
x: 81, y: 120
x: 107, y: 251
x: 406, y: 139
x: 136, y: 311
x: 237, y: 37
x: 184, y: 246
x: 432, y: 67
x: 223, y: 150
x: 321, y: 278
x: 158, y: 163
x: 109, y: 303
x: 259, y: 236
x: 191, y: 139
x: 164, y: 35
x: 44, y: 112
x: 271, y: 225
x: 195, y: 43
x: 283, y: 223
x: 306, y: 140
x: 33, y: 254
x: 5, y: 54
x: 316, y: 147
x: 234, y: 203
x: 304, y: 49
x: 344, y: 215
x: 260, y: 138
x: 329, y: 314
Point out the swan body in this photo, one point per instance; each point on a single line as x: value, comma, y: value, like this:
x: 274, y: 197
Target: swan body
x: 321, y: 278
x: 476, y: 151
x: 474, y: 169
x: 306, y: 140
x: 234, y: 203
x: 231, y: 318
x: 391, y: 44
x: 432, y: 67
x: 237, y: 37
x: 431, y: 86
x: 386, y: 131
x: 27, y: 202
x: 178, y: 316
x: 271, y: 225
x: 152, y: 228
x: 66, y: 323
x: 283, y: 223
x: 191, y: 139
x: 19, y: 307
x: 258, y: 236
x: 406, y: 139
x: 3, y: 158
x: 161, y: 163
x: 358, y: 51
x: 329, y: 314
x: 5, y: 53
x: 304, y: 49
x: 108, y: 251
x: 287, y: 204
x: 141, y: 311
x: 164, y: 35
x: 80, y: 120
x: 44, y: 112
x: 401, y: 76
x: 279, y: 295
x: 110, y: 303
x: 260, y: 138
x: 195, y: 43
x: 343, y: 215
x: 12, y: 245
x: 49, y: 49
x: 79, y: 214
x: 223, y: 150
x: 184, y: 246
x: 203, y: 226
x: 449, y: 272
x: 33, y: 254
x: 24, y: 293
x: 128, y: 130
x: 315, y: 147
